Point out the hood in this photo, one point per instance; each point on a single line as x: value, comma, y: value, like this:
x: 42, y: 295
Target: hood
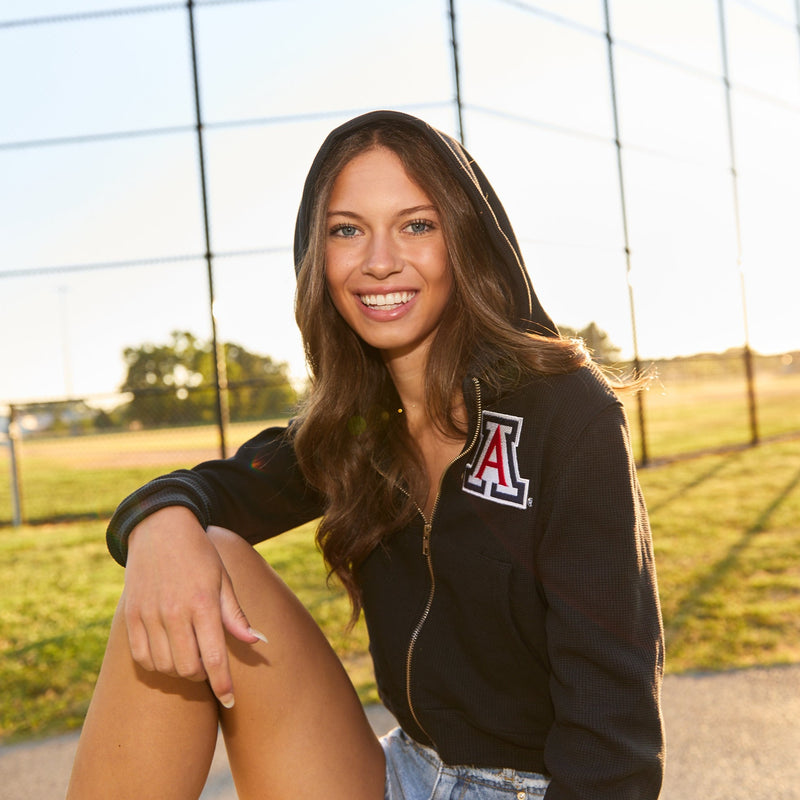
x: 530, y: 314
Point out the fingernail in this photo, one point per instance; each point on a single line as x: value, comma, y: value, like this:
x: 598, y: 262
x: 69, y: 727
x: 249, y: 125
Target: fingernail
x: 227, y: 700
x: 258, y: 635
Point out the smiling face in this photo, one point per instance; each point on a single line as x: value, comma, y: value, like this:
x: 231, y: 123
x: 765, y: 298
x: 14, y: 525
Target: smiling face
x: 386, y: 261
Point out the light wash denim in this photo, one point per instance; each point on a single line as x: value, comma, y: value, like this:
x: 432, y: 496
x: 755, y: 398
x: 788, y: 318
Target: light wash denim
x: 414, y: 772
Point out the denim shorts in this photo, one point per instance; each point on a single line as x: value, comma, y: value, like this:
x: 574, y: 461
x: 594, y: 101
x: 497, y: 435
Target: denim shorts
x: 414, y: 772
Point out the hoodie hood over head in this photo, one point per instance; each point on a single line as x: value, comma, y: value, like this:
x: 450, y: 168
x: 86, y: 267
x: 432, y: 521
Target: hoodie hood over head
x: 531, y: 316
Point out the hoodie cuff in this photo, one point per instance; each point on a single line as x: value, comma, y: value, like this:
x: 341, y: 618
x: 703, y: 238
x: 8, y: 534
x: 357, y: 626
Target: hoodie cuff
x: 181, y: 488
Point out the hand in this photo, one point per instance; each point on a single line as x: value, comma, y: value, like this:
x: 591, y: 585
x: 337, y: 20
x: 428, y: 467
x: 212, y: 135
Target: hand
x: 179, y: 601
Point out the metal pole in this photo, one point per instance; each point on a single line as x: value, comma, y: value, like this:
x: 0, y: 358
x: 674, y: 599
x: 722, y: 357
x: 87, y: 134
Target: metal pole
x: 13, y: 436
x: 220, y: 372
x: 456, y: 70
x: 66, y: 346
x: 747, y: 352
x: 637, y: 365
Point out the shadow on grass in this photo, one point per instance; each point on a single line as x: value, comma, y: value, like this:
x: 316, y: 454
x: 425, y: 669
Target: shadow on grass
x: 716, y: 574
x: 699, y: 480
x: 54, y: 519
x: 103, y: 622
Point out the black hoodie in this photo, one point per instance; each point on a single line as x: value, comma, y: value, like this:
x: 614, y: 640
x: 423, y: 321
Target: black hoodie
x: 519, y: 627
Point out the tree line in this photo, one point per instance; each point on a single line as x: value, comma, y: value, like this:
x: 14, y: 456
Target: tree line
x: 174, y: 383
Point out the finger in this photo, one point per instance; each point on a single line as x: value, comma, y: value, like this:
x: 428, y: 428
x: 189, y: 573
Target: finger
x: 234, y: 618
x: 213, y: 651
x: 139, y: 643
x: 160, y: 649
x: 186, y: 654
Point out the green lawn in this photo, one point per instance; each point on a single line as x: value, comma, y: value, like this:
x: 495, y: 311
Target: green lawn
x: 71, y: 477
x: 727, y: 537
x: 84, y: 477
x: 687, y: 416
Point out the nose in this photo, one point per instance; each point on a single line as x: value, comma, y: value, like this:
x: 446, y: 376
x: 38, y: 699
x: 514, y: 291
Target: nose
x: 382, y: 258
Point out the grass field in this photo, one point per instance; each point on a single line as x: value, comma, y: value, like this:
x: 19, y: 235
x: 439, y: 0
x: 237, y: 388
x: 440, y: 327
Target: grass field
x: 686, y: 416
x: 86, y: 476
x: 82, y: 477
x: 726, y: 529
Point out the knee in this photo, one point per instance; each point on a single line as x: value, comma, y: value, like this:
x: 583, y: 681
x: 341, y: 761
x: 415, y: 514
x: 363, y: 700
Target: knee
x: 243, y: 563
x: 237, y: 554
x: 224, y: 539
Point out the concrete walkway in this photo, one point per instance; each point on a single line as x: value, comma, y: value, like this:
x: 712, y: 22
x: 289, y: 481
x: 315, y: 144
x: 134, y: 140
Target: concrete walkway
x: 734, y: 736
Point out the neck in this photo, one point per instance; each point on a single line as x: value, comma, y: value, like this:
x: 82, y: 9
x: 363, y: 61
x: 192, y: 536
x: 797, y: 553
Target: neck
x: 408, y: 376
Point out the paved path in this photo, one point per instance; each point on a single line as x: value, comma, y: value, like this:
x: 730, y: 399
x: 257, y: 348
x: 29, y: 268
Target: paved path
x: 734, y: 736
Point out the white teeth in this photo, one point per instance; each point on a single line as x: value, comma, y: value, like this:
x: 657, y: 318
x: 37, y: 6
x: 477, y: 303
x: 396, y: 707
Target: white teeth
x: 383, y: 300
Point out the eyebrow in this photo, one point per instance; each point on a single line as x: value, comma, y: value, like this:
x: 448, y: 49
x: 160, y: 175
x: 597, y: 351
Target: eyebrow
x: 405, y: 212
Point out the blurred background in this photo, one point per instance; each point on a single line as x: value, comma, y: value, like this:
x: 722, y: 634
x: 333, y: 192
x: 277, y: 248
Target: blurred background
x: 152, y: 157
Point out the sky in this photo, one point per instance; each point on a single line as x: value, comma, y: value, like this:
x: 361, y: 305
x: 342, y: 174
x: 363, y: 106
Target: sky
x: 276, y: 75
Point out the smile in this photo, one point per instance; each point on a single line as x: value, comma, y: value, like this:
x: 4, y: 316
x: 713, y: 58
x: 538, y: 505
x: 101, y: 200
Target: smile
x: 387, y: 301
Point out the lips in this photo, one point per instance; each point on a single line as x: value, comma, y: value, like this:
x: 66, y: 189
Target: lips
x: 388, y: 300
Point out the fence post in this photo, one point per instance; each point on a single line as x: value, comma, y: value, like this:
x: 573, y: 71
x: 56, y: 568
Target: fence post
x: 13, y: 438
x: 220, y: 369
x: 637, y: 365
x: 746, y: 351
x: 456, y: 71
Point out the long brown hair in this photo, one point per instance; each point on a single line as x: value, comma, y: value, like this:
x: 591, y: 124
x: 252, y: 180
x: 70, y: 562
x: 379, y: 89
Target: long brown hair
x: 350, y: 440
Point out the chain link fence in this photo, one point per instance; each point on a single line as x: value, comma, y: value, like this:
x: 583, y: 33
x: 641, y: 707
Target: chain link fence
x: 153, y: 156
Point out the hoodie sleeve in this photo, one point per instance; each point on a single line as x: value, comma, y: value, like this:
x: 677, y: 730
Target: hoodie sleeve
x: 258, y: 493
x: 605, y: 637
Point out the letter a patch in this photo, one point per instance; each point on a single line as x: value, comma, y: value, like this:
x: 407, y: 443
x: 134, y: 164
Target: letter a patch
x: 494, y: 473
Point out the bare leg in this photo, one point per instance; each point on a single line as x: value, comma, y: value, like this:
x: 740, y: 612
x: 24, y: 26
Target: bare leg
x: 146, y: 734
x: 297, y: 726
x: 297, y: 722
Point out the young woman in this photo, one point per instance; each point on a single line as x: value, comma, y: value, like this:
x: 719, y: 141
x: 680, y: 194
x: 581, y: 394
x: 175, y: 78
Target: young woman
x: 478, y: 500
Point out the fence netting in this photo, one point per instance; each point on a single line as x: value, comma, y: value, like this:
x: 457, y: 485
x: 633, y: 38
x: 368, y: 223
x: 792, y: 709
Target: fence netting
x: 646, y: 154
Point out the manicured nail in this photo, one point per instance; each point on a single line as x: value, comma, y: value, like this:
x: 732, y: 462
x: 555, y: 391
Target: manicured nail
x: 227, y: 700
x: 258, y: 635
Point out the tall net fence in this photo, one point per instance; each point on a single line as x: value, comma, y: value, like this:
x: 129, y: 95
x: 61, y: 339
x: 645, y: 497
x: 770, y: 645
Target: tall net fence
x: 152, y: 157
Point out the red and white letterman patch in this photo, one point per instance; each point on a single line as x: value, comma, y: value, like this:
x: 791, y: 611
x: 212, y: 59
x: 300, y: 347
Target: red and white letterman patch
x: 494, y: 473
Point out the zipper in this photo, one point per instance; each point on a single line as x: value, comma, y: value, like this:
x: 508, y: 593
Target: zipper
x: 426, y: 553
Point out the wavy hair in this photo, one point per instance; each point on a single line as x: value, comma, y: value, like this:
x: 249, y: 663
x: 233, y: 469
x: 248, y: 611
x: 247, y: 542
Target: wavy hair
x: 351, y: 442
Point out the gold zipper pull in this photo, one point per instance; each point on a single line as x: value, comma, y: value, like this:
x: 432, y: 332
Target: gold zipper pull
x: 426, y: 540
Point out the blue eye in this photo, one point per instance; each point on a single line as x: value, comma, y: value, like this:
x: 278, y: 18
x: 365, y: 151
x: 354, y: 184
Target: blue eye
x: 344, y: 230
x: 419, y: 226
